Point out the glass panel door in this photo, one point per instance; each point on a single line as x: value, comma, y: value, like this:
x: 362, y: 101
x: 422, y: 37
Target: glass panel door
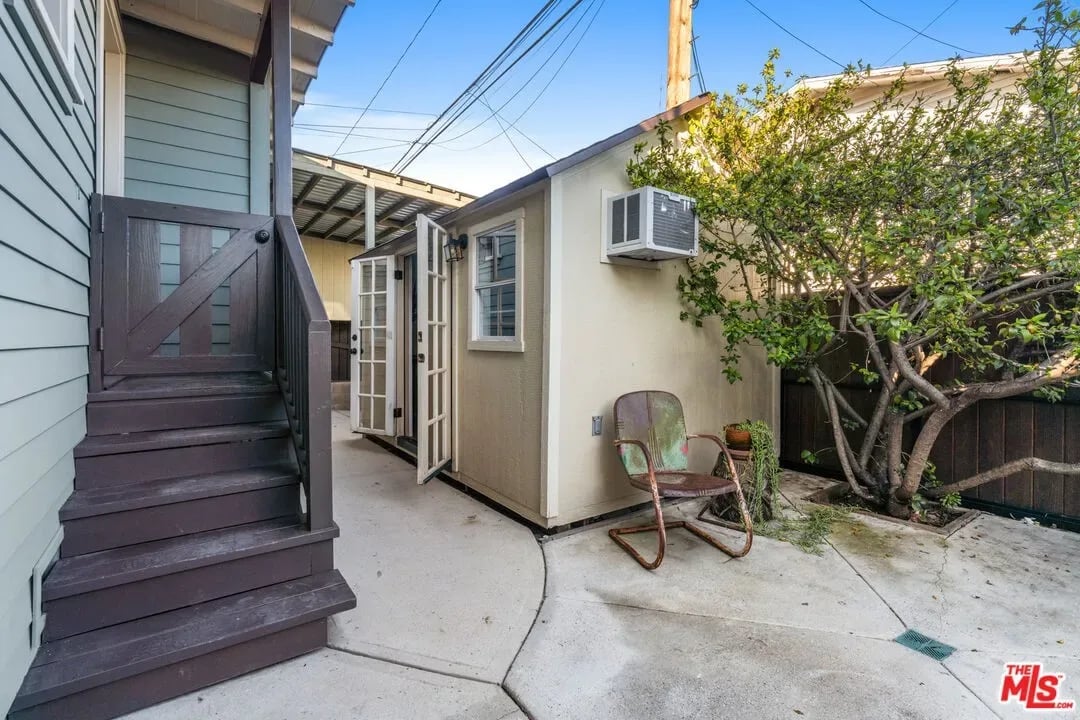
x: 372, y: 404
x: 433, y: 350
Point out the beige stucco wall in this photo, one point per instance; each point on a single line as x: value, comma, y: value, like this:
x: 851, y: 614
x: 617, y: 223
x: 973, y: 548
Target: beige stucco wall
x: 620, y: 332
x: 329, y: 260
x: 498, y: 395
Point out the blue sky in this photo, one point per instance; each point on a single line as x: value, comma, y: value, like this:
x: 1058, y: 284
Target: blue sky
x: 613, y: 79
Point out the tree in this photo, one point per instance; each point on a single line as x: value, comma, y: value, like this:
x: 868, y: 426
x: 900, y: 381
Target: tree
x: 919, y: 230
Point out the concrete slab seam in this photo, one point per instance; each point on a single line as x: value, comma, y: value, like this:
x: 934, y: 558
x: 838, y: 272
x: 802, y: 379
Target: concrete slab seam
x: 974, y: 694
x: 412, y: 666
x: 874, y: 590
x: 853, y: 568
x: 539, y: 608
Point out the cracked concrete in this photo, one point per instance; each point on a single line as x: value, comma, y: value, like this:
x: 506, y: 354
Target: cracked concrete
x: 783, y: 634
x: 462, y: 615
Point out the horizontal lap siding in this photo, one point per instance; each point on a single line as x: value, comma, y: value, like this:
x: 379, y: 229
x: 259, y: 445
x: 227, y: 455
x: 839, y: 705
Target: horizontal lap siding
x: 187, y: 132
x: 47, y: 161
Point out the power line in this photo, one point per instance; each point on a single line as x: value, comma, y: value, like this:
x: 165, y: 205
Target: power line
x: 497, y: 84
x: 484, y: 73
x: 389, y: 74
x: 697, y: 65
x: 407, y: 160
x: 917, y: 32
x: 537, y: 72
x: 540, y: 47
x: 330, y: 132
x: 694, y: 53
x: 796, y: 37
x: 508, y: 138
x: 513, y: 123
x: 475, y: 92
x: 920, y: 33
x: 536, y: 144
x: 372, y: 149
x: 373, y: 109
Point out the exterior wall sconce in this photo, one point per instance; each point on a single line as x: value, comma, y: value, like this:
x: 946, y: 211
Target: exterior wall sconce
x: 454, y: 249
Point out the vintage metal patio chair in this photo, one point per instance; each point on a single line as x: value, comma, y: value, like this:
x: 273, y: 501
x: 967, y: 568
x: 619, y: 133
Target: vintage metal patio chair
x: 654, y: 448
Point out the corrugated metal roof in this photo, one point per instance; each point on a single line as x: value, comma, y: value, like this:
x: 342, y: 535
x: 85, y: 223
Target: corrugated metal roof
x: 329, y: 194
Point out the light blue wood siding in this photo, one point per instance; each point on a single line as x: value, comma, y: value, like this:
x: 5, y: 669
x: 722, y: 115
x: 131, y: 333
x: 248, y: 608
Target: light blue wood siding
x: 46, y: 179
x: 187, y: 132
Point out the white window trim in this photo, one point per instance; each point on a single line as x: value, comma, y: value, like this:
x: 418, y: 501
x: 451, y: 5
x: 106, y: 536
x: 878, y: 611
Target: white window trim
x: 60, y: 60
x: 508, y: 344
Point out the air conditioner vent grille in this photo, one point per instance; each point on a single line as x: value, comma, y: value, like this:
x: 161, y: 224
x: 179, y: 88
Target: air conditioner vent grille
x: 618, y: 221
x: 673, y: 223
x: 633, y: 218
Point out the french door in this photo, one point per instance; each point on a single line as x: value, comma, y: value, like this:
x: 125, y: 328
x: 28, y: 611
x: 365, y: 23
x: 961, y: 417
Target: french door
x: 433, y: 350
x: 373, y: 372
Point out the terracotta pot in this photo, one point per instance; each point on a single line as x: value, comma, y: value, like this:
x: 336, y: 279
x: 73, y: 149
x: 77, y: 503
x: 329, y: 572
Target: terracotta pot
x: 737, y: 439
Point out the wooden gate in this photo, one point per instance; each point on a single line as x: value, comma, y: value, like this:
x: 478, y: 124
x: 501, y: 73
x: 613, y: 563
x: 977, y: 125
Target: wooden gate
x: 182, y: 290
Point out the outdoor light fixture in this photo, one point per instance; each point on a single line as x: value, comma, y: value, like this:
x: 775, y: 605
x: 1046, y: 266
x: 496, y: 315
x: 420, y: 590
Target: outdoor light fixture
x: 454, y: 249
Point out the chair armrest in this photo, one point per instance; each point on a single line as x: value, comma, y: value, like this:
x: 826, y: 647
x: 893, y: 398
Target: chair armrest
x: 724, y: 449
x: 644, y: 450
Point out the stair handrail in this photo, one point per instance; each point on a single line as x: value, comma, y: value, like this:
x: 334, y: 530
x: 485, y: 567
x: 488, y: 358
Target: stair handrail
x: 302, y: 362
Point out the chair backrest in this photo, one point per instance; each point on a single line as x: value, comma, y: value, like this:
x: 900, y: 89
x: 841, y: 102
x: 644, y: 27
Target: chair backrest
x: 655, y: 418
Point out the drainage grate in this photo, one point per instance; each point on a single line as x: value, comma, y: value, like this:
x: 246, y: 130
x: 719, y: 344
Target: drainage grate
x: 926, y: 645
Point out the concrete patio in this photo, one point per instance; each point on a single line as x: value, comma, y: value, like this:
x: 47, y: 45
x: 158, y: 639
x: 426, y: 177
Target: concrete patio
x: 449, y: 590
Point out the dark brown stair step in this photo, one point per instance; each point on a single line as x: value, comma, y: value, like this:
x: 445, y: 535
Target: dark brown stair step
x: 134, y: 563
x: 171, y: 386
x: 81, y: 663
x: 105, y: 702
x: 102, y: 501
x: 128, y: 416
x: 127, y: 468
x: 169, y: 439
x: 112, y: 517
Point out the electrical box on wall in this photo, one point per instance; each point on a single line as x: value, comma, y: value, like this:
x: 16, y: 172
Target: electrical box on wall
x: 651, y: 224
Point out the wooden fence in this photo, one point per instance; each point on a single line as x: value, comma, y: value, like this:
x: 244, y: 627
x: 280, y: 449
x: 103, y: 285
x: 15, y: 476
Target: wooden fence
x: 982, y: 437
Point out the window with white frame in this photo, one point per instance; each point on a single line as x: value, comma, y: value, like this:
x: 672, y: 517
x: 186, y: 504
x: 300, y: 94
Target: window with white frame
x: 60, y: 14
x: 55, y: 21
x: 496, y: 284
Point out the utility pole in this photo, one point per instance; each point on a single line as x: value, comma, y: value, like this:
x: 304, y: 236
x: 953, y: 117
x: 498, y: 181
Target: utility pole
x: 678, y: 64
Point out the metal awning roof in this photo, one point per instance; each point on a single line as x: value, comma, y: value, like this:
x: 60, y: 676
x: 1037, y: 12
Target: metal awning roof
x: 234, y: 24
x: 329, y: 194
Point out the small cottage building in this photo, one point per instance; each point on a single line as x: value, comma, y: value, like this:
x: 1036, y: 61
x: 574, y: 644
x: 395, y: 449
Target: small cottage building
x: 501, y: 369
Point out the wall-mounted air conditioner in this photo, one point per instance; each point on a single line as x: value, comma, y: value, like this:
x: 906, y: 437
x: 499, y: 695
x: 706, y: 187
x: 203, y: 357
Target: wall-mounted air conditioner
x: 651, y: 224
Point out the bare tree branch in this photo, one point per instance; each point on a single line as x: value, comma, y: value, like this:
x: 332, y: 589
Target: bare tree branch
x: 843, y: 450
x: 1009, y: 468
x: 917, y: 381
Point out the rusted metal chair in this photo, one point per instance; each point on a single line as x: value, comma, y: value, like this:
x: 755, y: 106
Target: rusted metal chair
x: 654, y: 448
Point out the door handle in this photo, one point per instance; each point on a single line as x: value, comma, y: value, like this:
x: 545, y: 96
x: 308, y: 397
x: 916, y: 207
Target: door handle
x: 420, y: 357
x: 352, y: 351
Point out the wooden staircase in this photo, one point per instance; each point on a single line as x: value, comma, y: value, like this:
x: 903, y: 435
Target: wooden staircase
x: 198, y: 544
x: 186, y: 558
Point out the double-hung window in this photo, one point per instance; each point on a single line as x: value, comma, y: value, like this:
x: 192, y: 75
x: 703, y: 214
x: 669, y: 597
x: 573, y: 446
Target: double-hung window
x: 496, y: 284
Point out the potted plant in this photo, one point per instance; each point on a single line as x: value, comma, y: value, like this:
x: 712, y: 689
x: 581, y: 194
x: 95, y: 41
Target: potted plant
x: 737, y: 436
x: 758, y: 476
